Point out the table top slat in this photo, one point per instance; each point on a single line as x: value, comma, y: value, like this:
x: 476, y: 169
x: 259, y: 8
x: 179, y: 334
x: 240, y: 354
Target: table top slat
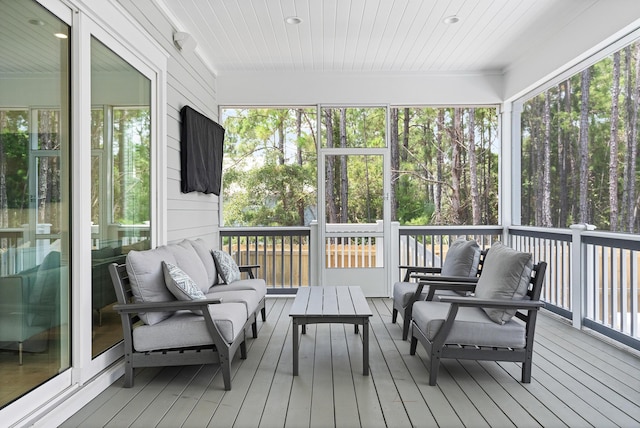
x: 314, y: 307
x: 344, y: 301
x: 299, y: 306
x: 330, y: 302
x: 359, y: 301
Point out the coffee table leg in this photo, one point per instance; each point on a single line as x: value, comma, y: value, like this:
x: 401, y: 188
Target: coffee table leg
x: 295, y: 346
x: 365, y: 347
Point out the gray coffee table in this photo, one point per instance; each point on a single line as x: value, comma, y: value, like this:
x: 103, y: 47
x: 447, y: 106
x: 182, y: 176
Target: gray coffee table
x: 346, y: 305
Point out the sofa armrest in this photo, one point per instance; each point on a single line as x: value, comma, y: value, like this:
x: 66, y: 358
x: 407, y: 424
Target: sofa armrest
x: 248, y: 269
x: 177, y: 305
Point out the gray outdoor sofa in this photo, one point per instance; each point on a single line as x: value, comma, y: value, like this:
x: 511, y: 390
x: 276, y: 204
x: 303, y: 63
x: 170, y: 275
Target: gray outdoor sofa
x: 166, y: 323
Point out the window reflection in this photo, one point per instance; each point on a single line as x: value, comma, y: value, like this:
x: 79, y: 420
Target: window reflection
x: 120, y: 186
x: 34, y: 198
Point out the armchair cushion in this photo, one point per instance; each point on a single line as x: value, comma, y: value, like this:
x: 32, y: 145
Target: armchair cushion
x: 471, y: 326
x: 462, y: 258
x: 147, y: 280
x: 506, y: 274
x: 181, y: 285
x: 226, y: 266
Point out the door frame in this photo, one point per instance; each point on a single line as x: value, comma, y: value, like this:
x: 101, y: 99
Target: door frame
x: 383, y: 289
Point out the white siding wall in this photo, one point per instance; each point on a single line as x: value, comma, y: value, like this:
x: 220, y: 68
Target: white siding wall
x: 189, y: 82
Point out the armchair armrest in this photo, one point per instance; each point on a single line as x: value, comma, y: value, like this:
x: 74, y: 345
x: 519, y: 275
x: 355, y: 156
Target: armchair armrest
x: 447, y: 284
x: 421, y: 269
x: 177, y: 305
x: 248, y: 269
x: 492, y: 303
x: 422, y: 277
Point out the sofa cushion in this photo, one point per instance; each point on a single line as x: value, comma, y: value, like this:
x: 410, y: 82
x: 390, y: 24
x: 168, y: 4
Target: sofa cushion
x: 462, y: 259
x: 188, y: 260
x: 206, y: 257
x: 181, y: 285
x: 226, y: 266
x: 471, y: 327
x: 256, y: 284
x: 506, y: 274
x: 147, y: 280
x: 249, y: 298
x: 184, y: 328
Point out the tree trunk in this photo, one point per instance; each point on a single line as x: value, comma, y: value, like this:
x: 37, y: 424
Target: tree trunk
x: 632, y: 94
x: 439, y: 174
x: 4, y: 206
x: 456, y: 168
x: 405, y: 136
x: 473, y: 169
x: 300, y: 202
x: 332, y: 213
x: 613, y: 145
x: 583, y: 211
x: 563, y: 88
x: 344, y: 179
x: 395, y: 163
x: 546, y: 169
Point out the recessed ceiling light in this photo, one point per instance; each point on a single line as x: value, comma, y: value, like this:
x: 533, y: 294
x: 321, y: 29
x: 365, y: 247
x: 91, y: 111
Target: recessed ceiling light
x: 451, y: 19
x: 293, y: 20
x: 61, y: 35
x: 38, y: 22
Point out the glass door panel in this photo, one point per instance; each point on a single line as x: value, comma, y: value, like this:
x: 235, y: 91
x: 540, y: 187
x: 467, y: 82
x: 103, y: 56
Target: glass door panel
x: 355, y: 208
x: 120, y: 186
x: 34, y: 198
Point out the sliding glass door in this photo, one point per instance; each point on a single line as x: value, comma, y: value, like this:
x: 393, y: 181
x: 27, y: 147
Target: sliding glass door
x: 34, y: 197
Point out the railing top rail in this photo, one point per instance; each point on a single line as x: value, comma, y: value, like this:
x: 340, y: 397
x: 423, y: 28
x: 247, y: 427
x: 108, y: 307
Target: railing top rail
x: 542, y: 232
x: 451, y: 230
x: 625, y: 241
x: 266, y: 231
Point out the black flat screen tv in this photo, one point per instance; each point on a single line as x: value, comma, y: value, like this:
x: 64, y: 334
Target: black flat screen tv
x: 201, y: 150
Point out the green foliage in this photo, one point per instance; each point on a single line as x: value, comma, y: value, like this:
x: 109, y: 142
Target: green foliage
x: 565, y: 115
x: 270, y: 167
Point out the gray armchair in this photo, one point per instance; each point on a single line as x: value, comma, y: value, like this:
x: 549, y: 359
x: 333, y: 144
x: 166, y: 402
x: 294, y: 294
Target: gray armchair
x: 463, y: 263
x: 483, y: 327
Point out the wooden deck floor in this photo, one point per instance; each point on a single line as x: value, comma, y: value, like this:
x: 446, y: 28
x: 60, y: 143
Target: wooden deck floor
x: 578, y: 381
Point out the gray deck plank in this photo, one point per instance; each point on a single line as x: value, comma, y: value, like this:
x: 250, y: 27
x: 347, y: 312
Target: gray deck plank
x: 344, y: 397
x: 299, y: 410
x: 577, y: 381
x: 157, y: 409
x: 322, y: 410
x: 277, y: 402
x: 254, y: 402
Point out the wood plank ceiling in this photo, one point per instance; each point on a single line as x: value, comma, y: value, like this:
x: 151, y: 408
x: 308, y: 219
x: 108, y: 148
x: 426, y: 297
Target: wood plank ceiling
x: 370, y: 35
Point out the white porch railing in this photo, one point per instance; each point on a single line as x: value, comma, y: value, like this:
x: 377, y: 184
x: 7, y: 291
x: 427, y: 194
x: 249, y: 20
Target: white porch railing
x: 592, y: 277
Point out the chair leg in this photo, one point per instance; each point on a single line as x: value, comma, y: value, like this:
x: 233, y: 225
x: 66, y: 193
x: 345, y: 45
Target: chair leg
x: 434, y: 366
x: 225, y: 366
x: 128, y: 375
x: 254, y: 329
x: 263, y: 311
x: 526, y: 369
x: 406, y: 322
x: 243, y: 350
x: 394, y: 316
x: 413, y: 346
